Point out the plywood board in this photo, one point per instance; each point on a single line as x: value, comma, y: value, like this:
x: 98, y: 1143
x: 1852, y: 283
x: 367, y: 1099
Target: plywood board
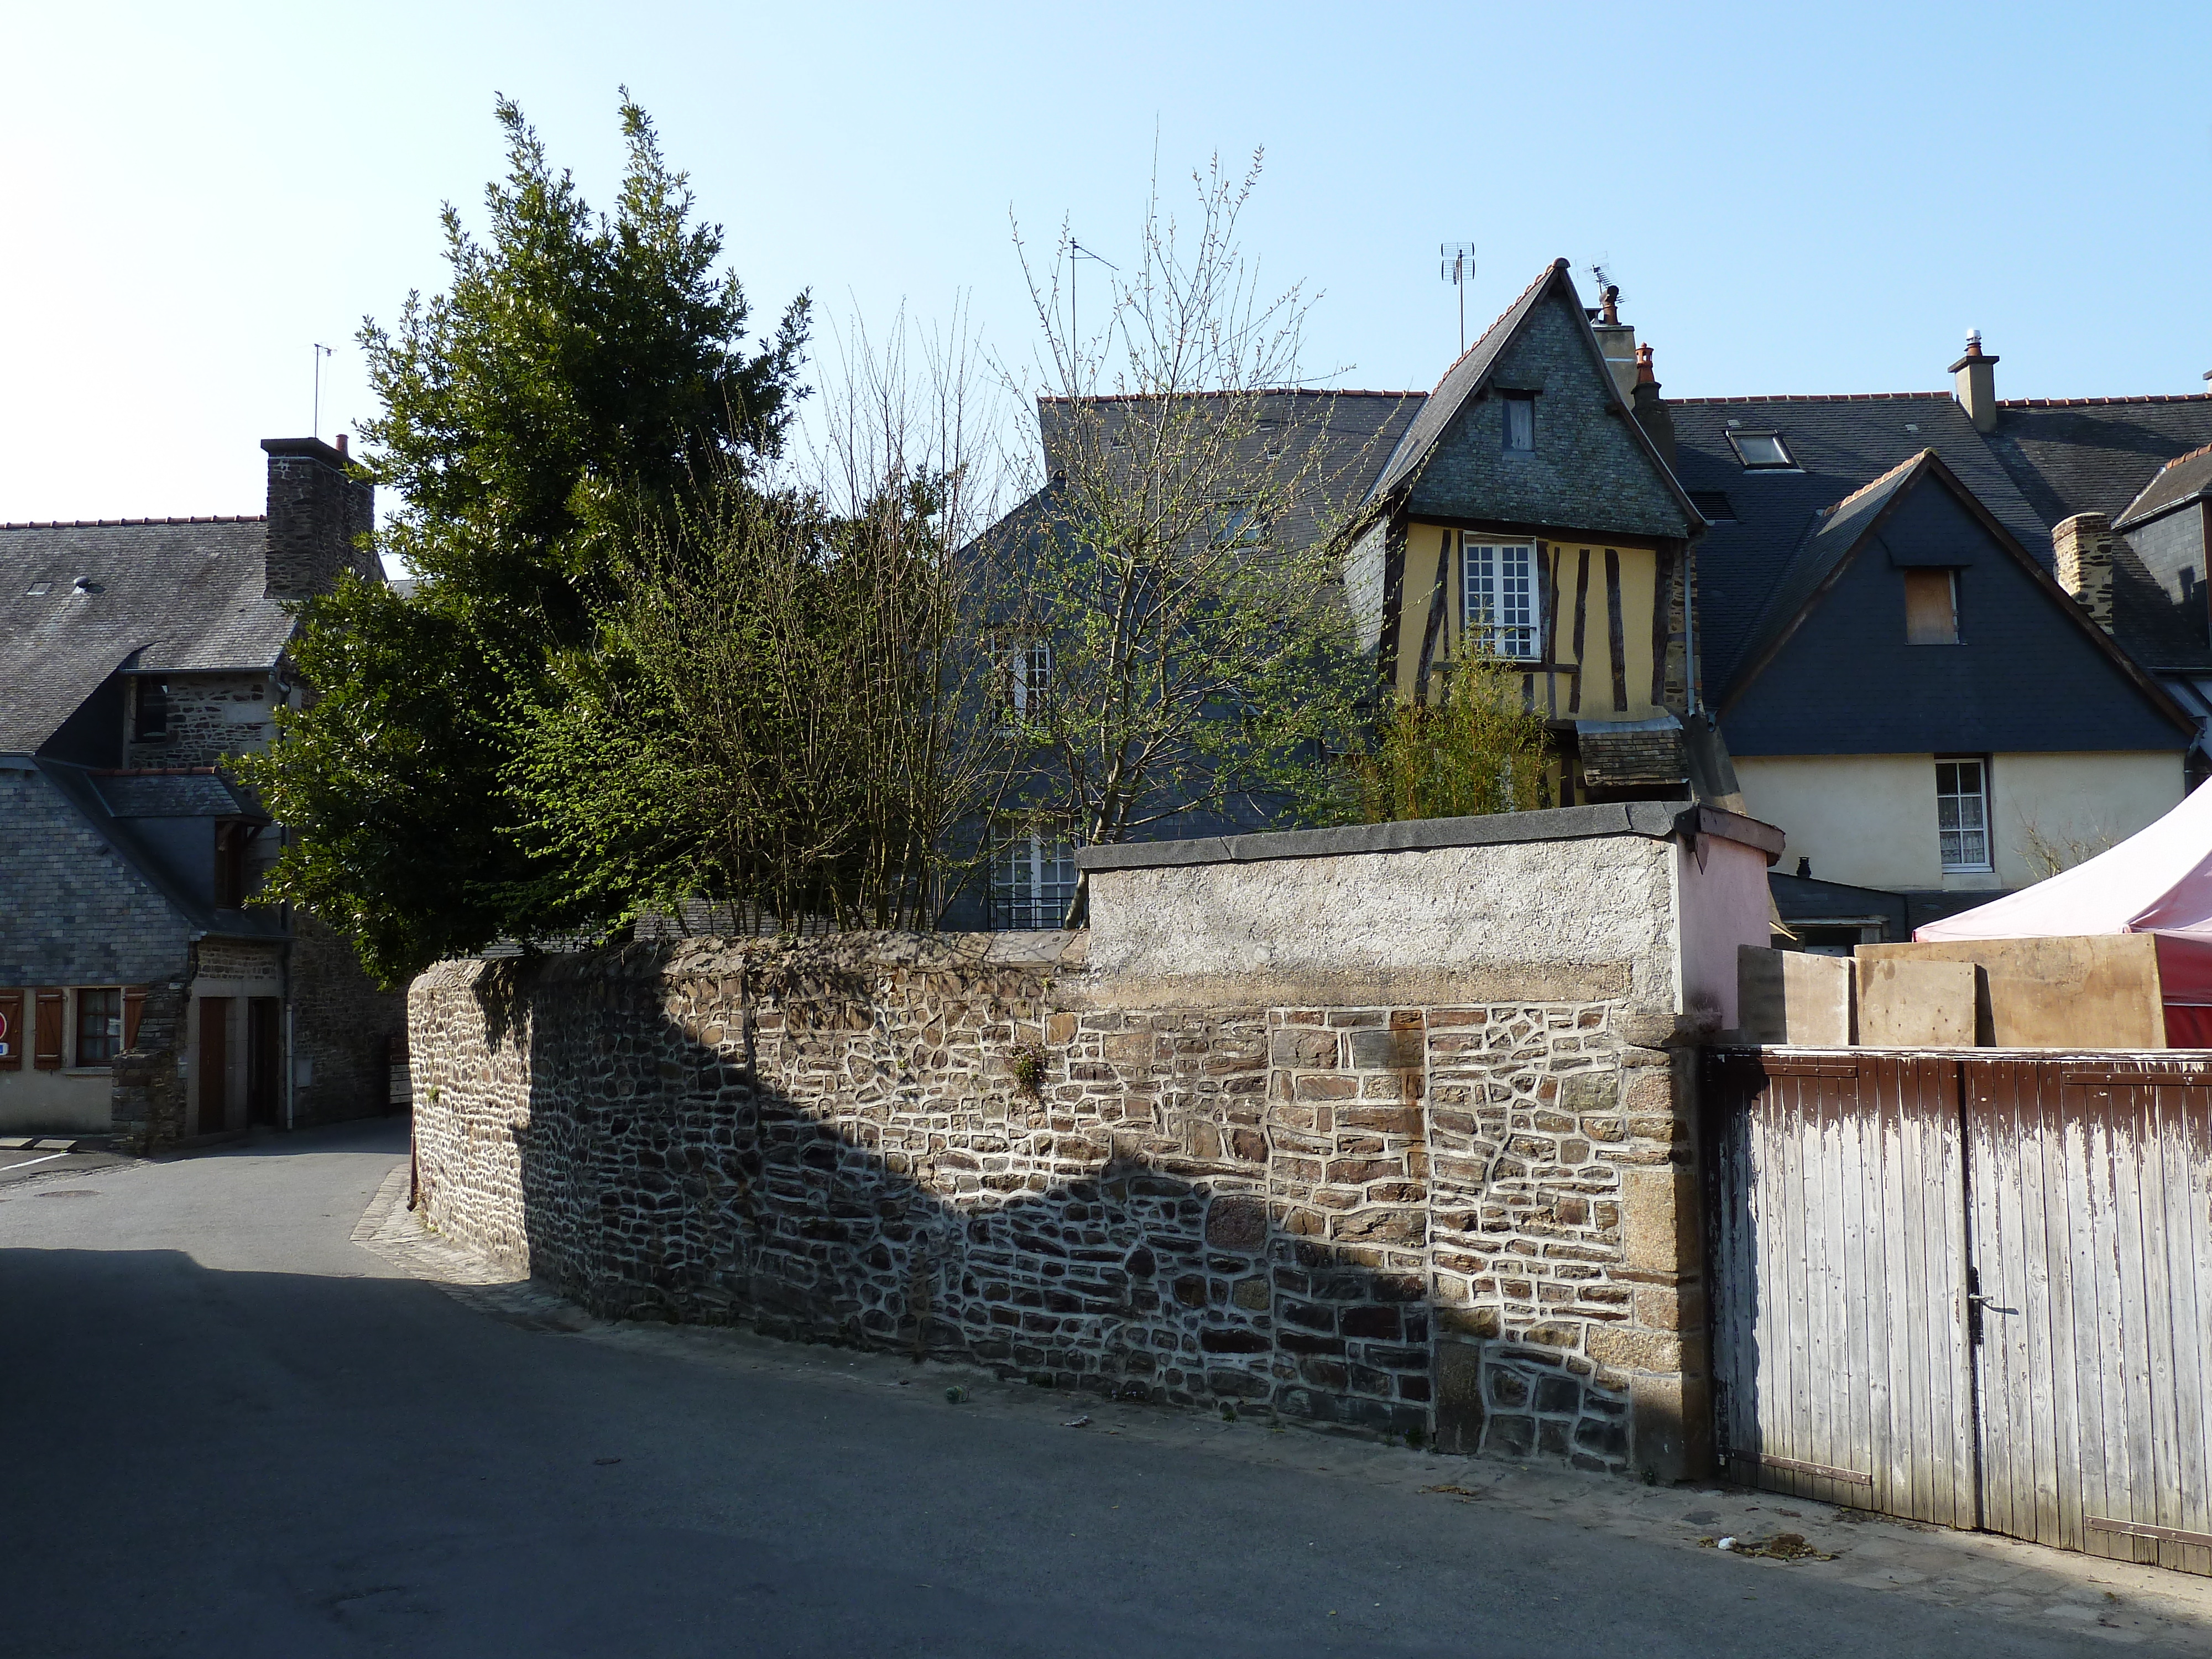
x: 1793, y: 996
x: 1909, y: 1004
x: 2098, y: 991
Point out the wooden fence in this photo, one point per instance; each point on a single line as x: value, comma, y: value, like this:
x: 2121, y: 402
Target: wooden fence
x: 1971, y: 1288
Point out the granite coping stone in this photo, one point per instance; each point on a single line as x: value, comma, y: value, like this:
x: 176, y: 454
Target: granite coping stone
x: 1656, y: 820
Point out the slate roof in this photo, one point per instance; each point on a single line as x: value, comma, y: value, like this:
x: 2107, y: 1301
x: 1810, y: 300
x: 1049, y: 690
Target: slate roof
x: 1339, y: 440
x: 1667, y: 510
x: 2184, y: 479
x: 1460, y: 381
x: 198, y: 792
x: 1842, y: 445
x: 81, y: 787
x: 156, y: 593
x: 2071, y: 455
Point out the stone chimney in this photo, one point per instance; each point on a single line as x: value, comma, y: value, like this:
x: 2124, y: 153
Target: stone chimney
x: 316, y: 515
x: 1650, y: 413
x: 2083, y: 546
x: 1976, y: 378
x: 1616, y: 339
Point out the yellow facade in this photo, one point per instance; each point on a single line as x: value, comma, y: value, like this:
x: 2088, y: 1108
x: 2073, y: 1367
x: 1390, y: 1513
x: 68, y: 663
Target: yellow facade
x: 1870, y: 820
x: 1574, y: 676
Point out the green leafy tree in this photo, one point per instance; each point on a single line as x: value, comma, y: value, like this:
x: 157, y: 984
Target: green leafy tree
x: 580, y: 370
x: 1481, y: 749
x: 785, y: 707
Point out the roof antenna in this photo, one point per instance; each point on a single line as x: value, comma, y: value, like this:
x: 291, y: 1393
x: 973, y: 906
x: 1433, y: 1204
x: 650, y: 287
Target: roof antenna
x: 315, y: 425
x: 1076, y: 251
x: 1609, y: 296
x: 1459, y: 271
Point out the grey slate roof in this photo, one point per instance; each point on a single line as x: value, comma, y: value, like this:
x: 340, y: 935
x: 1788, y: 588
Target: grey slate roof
x: 1462, y: 381
x: 1579, y: 475
x: 2185, y: 478
x: 198, y: 794
x: 1841, y: 445
x: 1828, y: 540
x: 173, y: 593
x: 1339, y: 438
x: 2094, y: 454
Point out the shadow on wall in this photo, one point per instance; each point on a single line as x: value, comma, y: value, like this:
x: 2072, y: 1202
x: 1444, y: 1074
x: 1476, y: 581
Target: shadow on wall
x: 1395, y: 1221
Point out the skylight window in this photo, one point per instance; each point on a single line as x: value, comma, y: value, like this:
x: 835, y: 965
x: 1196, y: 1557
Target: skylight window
x: 37, y: 589
x: 1762, y: 451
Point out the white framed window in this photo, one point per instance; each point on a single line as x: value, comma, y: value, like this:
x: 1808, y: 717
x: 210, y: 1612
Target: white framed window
x: 1242, y: 525
x: 1032, y: 879
x: 1505, y: 609
x: 1962, y: 813
x: 1028, y: 669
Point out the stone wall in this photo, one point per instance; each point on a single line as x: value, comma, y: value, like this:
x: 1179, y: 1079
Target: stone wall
x: 209, y: 716
x: 1412, y: 1161
x: 343, y: 1027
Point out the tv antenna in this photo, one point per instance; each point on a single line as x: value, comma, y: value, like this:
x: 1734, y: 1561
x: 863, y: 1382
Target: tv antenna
x: 1076, y: 251
x: 315, y: 425
x: 1459, y: 271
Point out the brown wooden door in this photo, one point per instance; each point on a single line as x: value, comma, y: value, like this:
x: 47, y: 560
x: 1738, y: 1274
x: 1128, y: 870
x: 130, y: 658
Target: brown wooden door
x: 46, y: 1055
x: 1836, y: 1231
x: 215, y: 1062
x: 2090, y: 1188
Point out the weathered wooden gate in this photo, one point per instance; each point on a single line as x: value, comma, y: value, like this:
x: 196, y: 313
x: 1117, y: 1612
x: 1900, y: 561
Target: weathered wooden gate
x: 1972, y: 1290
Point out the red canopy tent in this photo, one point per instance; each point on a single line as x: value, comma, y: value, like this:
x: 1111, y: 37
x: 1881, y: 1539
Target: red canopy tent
x: 2158, y: 881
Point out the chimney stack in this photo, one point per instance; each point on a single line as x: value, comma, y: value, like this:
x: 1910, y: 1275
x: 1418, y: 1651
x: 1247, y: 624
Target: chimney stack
x: 2083, y: 549
x: 1616, y: 339
x: 317, y: 515
x: 1651, y: 414
x: 1976, y: 379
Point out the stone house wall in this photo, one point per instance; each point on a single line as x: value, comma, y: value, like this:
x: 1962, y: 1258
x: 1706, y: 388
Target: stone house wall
x: 209, y: 716
x: 1389, y: 1137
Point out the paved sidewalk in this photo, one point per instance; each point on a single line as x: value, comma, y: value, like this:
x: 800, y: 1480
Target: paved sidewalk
x: 2011, y: 1585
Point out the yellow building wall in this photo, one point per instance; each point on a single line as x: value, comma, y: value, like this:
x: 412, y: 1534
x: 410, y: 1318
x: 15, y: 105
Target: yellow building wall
x: 1869, y: 820
x: 1563, y: 562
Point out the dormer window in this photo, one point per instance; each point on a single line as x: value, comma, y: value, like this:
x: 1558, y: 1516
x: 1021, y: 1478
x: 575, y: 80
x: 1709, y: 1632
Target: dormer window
x: 1520, y: 421
x: 151, y: 724
x: 1763, y: 451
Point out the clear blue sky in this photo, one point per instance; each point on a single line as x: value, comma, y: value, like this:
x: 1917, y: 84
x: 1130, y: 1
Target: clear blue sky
x: 1793, y: 199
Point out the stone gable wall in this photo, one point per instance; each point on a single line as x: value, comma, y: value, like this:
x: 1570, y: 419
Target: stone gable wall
x: 1466, y: 1220
x: 210, y: 715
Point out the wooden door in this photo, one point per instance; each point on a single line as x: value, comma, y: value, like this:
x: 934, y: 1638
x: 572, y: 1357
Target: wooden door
x: 1836, y: 1227
x: 214, y: 1063
x: 2090, y: 1189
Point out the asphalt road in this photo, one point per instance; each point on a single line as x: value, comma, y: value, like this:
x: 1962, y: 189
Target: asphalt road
x: 231, y: 1432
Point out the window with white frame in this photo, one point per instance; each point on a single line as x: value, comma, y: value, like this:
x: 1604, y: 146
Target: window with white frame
x: 1028, y: 673
x: 1962, y: 813
x: 1032, y: 879
x: 1504, y: 611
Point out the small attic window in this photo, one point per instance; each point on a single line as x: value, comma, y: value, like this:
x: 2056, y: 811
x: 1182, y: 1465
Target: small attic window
x: 1763, y: 451
x: 1520, y: 421
x: 38, y: 588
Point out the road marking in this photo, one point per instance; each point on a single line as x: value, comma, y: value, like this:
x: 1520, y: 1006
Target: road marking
x: 29, y: 1161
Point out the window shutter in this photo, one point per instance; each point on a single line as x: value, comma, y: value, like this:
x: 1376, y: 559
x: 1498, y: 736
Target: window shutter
x: 134, y: 1004
x: 11, y: 1008
x: 47, y: 1048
